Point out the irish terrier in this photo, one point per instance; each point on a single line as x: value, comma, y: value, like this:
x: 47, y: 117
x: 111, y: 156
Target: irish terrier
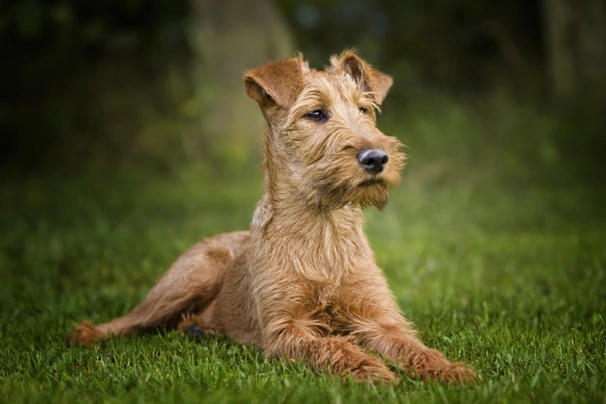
x: 303, y: 283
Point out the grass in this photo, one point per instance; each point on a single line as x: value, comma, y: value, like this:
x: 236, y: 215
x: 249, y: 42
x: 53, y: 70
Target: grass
x: 497, y: 268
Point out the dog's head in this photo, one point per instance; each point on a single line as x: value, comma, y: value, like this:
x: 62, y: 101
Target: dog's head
x: 323, y: 129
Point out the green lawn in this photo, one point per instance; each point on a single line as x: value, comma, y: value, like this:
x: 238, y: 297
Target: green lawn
x: 506, y: 275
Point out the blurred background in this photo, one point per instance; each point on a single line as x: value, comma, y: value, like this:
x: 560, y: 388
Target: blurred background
x: 485, y: 91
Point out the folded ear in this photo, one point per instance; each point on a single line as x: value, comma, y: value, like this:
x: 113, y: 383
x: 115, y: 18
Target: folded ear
x: 368, y: 77
x: 278, y: 82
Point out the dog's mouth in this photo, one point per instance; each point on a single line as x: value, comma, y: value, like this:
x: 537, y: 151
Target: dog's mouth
x: 371, y: 182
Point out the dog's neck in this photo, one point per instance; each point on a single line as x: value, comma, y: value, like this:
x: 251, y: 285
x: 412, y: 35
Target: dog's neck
x: 283, y: 205
x: 333, y: 241
x: 284, y: 219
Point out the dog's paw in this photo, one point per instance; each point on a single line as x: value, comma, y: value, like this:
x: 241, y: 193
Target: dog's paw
x: 431, y: 364
x: 85, y: 334
x: 194, y: 331
x: 374, y: 372
x: 457, y: 373
x: 450, y: 372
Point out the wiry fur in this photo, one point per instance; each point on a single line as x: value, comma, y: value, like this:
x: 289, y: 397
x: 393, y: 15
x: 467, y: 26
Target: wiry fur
x: 303, y: 284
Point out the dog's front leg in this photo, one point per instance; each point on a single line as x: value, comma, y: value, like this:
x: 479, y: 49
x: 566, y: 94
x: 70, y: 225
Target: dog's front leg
x: 334, y: 354
x: 396, y: 341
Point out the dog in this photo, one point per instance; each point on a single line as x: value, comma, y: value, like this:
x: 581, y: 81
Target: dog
x: 303, y: 283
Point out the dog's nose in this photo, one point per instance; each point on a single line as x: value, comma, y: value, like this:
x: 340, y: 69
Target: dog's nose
x: 373, y: 160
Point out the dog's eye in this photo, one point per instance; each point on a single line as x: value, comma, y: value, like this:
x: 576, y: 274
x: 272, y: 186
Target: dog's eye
x: 317, y: 115
x: 363, y: 110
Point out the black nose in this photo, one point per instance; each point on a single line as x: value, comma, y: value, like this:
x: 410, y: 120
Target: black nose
x: 373, y: 160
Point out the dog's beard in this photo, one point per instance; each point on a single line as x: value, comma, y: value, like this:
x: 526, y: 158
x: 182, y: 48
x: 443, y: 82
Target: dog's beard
x: 369, y: 193
x: 365, y: 193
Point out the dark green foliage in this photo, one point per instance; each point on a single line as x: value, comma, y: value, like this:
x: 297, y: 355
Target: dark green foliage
x: 458, y: 44
x: 80, y: 79
x: 105, y: 83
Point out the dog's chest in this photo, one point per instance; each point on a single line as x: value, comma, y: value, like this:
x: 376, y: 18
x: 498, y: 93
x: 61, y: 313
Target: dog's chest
x: 325, y: 294
x: 327, y: 303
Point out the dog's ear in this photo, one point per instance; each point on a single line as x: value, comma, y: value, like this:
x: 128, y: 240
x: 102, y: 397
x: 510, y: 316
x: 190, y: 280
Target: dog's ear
x: 278, y: 82
x: 369, y: 78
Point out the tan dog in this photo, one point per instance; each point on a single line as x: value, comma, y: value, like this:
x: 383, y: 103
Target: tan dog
x: 303, y: 283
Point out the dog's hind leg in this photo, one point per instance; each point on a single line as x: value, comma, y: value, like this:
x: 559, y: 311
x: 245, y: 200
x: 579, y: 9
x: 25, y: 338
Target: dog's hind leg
x: 190, y: 285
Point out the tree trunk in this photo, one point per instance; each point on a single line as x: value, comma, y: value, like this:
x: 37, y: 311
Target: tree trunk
x: 228, y: 37
x: 592, y: 41
x: 575, y: 38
